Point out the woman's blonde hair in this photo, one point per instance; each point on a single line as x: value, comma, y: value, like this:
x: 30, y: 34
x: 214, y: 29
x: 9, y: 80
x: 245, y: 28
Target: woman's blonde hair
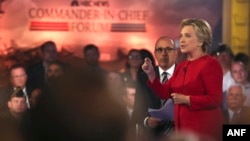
x: 202, y: 30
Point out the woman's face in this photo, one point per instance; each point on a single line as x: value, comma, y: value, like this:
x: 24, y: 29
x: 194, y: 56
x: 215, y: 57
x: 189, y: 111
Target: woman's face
x: 239, y: 73
x: 134, y: 59
x: 189, y: 41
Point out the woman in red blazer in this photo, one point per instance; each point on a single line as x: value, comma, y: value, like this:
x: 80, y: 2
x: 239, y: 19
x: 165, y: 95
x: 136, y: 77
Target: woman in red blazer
x: 196, y: 85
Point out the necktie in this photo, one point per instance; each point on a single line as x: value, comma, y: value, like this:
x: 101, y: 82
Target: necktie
x: 165, y: 77
x: 27, y: 98
x: 25, y: 94
x: 235, y: 117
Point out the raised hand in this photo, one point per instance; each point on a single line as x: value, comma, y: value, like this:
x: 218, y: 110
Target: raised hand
x: 148, y: 68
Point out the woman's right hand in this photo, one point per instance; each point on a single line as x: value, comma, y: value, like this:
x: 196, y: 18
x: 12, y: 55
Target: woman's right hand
x: 148, y: 68
x: 153, y: 122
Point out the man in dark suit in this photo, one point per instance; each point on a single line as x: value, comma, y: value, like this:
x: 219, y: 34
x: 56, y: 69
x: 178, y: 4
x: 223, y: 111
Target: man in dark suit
x: 91, y: 55
x: 18, y: 79
x: 38, y: 72
x: 236, y: 112
x: 166, y: 54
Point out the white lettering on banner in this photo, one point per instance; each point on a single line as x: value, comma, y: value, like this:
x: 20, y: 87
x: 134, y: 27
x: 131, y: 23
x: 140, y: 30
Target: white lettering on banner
x: 98, y: 3
x: 87, y: 20
x: 90, y: 27
x: 87, y: 14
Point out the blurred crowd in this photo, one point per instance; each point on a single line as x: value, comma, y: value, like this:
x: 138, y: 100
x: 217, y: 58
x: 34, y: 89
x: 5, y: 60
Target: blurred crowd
x: 47, y: 95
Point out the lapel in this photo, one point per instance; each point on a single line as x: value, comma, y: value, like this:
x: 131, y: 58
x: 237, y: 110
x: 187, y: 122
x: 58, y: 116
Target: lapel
x: 28, y: 91
x: 226, y: 115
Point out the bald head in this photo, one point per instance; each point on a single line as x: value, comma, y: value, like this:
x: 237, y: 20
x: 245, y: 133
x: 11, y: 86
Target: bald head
x: 165, y: 52
x: 235, y: 96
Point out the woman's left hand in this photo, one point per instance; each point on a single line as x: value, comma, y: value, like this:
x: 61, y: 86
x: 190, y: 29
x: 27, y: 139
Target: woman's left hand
x: 180, y: 98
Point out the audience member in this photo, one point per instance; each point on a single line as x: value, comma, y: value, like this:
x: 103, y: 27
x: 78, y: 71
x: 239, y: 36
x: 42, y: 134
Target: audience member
x: 124, y: 94
x: 196, y: 85
x: 35, y: 97
x: 165, y: 54
x: 240, y: 74
x: 129, y: 98
x: 17, y: 104
x: 129, y: 80
x: 55, y: 71
x: 18, y: 79
x: 37, y: 72
x: 236, y: 113
x: 225, y: 58
x: 91, y: 56
x: 244, y: 58
x: 15, y: 121
x: 132, y: 68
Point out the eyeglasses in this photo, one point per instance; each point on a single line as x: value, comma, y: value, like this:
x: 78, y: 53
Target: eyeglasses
x: 167, y: 49
x: 130, y: 57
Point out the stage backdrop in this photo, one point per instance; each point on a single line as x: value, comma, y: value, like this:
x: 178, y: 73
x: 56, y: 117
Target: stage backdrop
x: 110, y: 24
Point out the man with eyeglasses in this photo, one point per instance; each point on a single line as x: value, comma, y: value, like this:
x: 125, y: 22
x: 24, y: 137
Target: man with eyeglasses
x: 166, y: 55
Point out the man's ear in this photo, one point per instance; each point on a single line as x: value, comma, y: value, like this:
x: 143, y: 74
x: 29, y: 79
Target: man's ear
x: 9, y: 104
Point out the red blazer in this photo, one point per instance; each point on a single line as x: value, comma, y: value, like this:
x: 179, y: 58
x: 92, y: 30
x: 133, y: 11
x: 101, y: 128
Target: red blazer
x: 201, y: 79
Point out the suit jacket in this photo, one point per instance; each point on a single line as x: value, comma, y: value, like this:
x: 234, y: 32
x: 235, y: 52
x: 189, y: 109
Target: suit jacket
x: 5, y: 94
x: 244, y: 116
x: 36, y: 74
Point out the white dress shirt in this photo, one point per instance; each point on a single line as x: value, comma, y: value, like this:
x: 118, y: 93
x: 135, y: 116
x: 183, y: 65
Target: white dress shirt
x: 227, y: 81
x: 169, y: 71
